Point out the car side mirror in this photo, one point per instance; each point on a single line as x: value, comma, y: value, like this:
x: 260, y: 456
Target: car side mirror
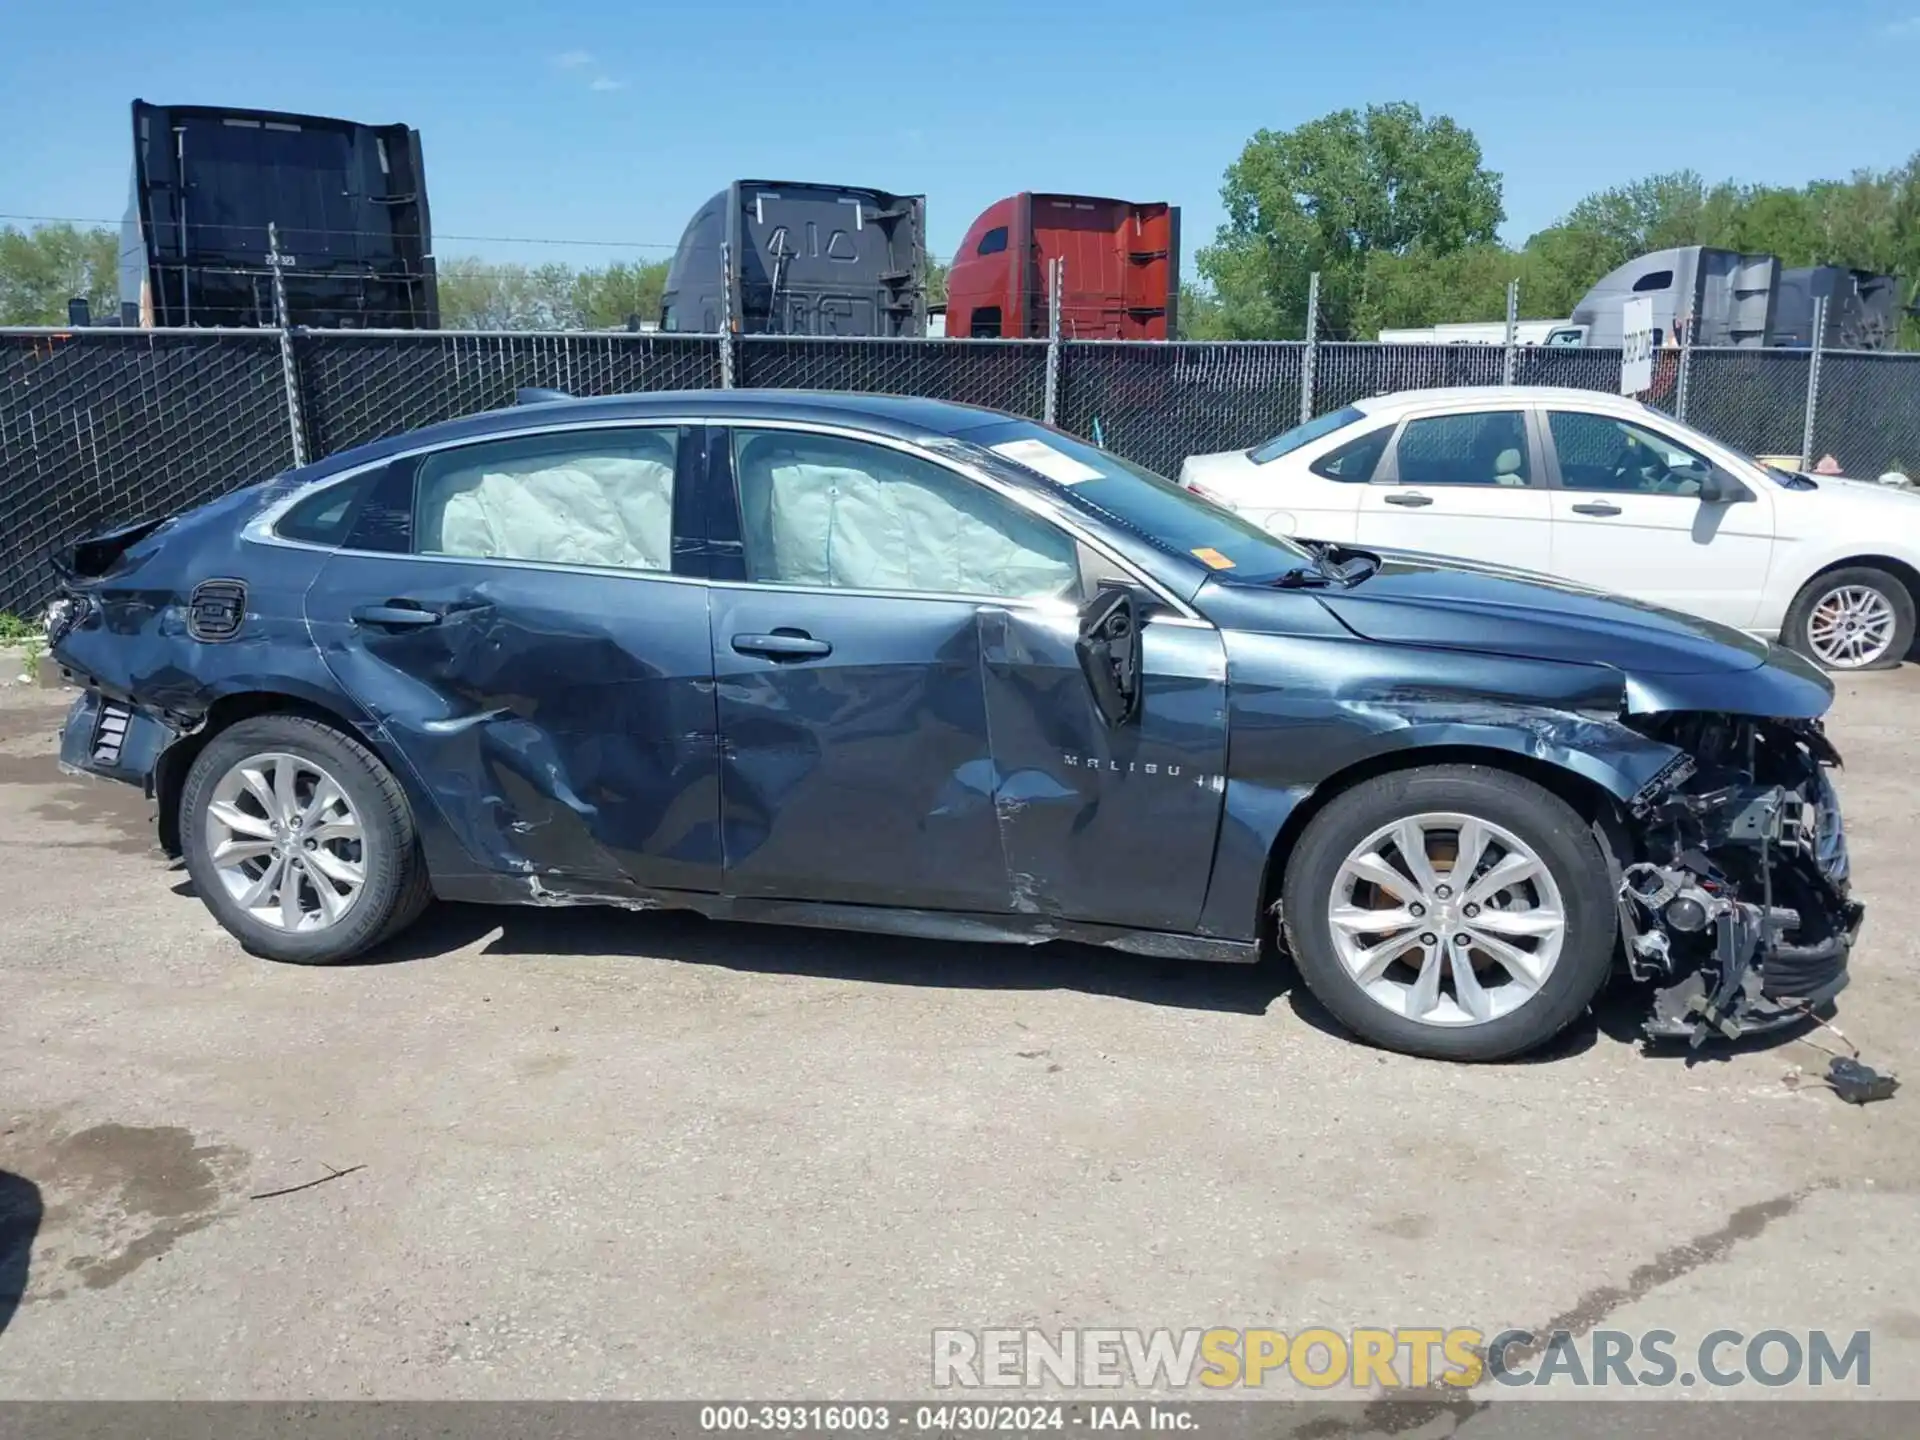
x: 1719, y: 488
x: 1109, y: 649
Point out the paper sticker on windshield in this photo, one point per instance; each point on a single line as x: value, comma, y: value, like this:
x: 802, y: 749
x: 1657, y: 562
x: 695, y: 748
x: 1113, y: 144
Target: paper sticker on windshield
x: 1052, y: 463
x: 1211, y: 558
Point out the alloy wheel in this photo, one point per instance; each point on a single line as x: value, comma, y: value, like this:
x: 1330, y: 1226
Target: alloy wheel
x: 1851, y: 626
x: 286, y: 842
x: 1446, y: 919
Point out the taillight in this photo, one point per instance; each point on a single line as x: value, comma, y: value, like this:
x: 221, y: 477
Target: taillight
x: 1205, y: 494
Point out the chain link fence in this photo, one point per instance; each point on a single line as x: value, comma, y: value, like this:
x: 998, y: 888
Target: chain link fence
x: 1008, y: 375
x: 1156, y: 404
x: 126, y: 423
x: 104, y: 425
x: 360, y: 387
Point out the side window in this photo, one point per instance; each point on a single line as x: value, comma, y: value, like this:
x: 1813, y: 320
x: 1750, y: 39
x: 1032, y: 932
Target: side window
x: 1356, y: 459
x: 593, y: 497
x: 985, y: 324
x: 1598, y: 452
x: 844, y: 514
x: 1487, y: 448
x: 993, y: 242
x: 326, y: 516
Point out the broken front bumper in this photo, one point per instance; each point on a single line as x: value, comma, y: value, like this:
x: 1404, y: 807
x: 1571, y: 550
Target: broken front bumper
x: 1772, y: 956
x: 112, y: 739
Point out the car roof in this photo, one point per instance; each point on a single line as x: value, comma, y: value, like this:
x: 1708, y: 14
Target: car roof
x: 905, y: 416
x: 1473, y: 397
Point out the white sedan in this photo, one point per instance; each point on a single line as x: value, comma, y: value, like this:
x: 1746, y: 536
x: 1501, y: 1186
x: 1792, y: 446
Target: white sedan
x: 1602, y: 491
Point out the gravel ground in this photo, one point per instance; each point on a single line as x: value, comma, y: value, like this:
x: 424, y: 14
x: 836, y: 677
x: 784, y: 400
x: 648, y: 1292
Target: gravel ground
x: 604, y: 1154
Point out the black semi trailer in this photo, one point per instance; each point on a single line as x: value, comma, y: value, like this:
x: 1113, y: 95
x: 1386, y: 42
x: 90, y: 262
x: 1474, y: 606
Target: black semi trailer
x: 770, y: 257
x: 347, y: 202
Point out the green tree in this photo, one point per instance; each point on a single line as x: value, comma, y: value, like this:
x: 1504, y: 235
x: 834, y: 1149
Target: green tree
x: 1330, y: 195
x: 607, y: 298
x: 43, y: 268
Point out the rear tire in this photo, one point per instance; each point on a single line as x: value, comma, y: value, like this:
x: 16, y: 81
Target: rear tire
x: 1386, y: 956
x: 1870, y: 601
x: 300, y: 841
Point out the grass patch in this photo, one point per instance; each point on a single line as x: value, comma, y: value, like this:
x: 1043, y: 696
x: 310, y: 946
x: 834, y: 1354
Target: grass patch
x: 26, y: 634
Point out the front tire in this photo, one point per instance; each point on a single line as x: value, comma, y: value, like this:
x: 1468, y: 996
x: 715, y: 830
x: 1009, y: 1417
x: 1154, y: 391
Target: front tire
x: 300, y: 841
x: 1412, y: 955
x: 1854, y: 618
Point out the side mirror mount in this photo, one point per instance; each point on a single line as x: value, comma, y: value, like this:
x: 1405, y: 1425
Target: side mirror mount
x: 1109, y: 647
x: 1719, y: 488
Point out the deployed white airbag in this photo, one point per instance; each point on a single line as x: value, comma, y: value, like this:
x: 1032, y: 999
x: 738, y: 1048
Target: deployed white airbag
x: 831, y: 513
x: 589, y: 509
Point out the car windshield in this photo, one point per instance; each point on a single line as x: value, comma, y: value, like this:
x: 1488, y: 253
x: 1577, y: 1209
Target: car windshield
x: 1152, y: 505
x: 1291, y: 440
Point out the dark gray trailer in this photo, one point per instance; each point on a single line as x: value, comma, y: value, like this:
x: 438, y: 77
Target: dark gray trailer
x: 348, y: 203
x: 771, y: 257
x: 1722, y: 297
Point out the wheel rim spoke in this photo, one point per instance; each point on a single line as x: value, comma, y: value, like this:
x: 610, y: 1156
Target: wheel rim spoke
x: 1374, y: 867
x: 1467, y: 989
x: 262, y: 889
x: 1370, y: 965
x: 1471, y: 846
x: 1424, y: 994
x: 1522, y: 924
x: 239, y: 821
x: 1358, y: 920
x: 1410, y: 839
x: 1509, y: 870
x: 332, y: 867
x: 1522, y: 965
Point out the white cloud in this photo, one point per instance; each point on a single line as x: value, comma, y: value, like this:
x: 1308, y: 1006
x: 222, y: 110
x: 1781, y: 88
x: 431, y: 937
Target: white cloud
x: 1908, y: 26
x: 573, y: 59
x: 606, y: 82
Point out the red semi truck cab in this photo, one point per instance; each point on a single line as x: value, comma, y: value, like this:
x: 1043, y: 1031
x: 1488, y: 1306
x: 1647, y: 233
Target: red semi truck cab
x: 1122, y: 269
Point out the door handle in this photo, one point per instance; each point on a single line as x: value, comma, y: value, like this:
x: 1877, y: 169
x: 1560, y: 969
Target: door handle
x: 394, y: 616
x: 1596, y: 507
x: 782, y: 645
x: 1412, y: 497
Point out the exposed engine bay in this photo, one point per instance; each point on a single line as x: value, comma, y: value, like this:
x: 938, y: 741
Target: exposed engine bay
x: 1736, y: 901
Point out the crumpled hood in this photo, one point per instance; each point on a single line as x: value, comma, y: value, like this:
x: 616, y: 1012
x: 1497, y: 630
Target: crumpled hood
x: 1666, y: 661
x: 1455, y: 604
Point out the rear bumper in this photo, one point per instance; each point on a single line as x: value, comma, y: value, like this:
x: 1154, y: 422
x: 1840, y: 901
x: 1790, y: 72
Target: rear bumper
x: 114, y: 740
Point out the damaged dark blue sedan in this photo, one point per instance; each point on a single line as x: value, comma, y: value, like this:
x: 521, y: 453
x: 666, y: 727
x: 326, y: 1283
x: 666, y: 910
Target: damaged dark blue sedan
x: 908, y: 666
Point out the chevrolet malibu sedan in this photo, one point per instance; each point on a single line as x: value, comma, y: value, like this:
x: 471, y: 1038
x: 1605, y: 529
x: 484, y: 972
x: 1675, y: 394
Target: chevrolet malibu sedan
x: 1602, y: 491
x: 905, y: 666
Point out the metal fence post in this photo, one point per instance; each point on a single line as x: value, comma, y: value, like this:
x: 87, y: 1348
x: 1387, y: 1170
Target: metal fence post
x: 1311, y: 353
x: 1685, y: 381
x: 1056, y: 276
x: 726, y: 318
x: 289, y: 372
x: 1510, y: 362
x: 1813, y: 380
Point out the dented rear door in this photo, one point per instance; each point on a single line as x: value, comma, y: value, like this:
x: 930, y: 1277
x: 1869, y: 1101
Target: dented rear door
x: 554, y: 696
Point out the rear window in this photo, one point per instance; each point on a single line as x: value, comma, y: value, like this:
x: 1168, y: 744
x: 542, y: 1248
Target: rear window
x: 1151, y: 505
x: 1355, y: 460
x: 326, y: 516
x: 1291, y: 440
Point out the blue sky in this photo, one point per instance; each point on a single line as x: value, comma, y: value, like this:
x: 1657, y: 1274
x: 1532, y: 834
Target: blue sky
x: 611, y: 120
